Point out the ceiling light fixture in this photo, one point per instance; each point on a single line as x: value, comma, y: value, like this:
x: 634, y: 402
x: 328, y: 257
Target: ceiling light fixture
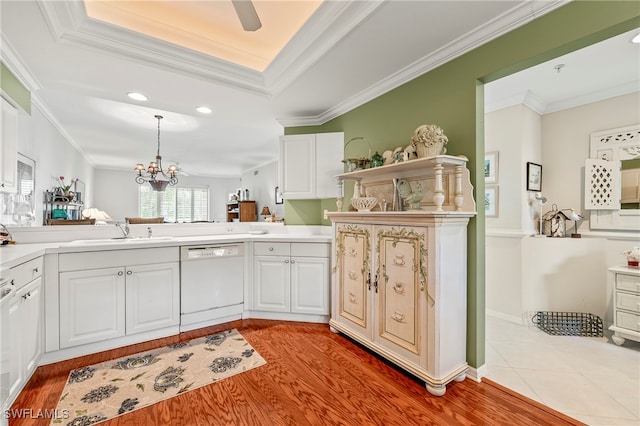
x: 154, y: 173
x: 137, y: 96
x: 204, y: 110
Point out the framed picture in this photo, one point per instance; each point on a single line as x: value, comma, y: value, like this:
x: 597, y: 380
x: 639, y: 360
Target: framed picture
x: 491, y: 201
x: 534, y: 177
x: 491, y: 167
x: 279, y: 199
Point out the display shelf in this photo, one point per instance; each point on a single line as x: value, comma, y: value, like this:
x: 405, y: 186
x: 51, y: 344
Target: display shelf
x: 59, y: 207
x: 443, y: 180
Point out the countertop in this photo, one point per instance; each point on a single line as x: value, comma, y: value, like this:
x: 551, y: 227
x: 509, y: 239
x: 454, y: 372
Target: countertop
x: 15, y: 254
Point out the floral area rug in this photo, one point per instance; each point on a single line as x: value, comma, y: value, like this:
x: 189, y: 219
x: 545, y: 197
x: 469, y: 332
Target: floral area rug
x: 112, y: 388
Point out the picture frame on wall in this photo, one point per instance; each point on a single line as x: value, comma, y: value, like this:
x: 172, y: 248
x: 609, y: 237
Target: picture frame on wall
x: 279, y: 199
x: 491, y: 195
x: 491, y: 167
x: 534, y: 177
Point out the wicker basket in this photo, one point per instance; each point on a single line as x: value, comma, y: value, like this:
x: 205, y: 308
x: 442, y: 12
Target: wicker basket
x: 568, y: 323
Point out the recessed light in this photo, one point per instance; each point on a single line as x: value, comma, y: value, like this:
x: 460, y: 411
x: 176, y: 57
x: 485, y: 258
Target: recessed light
x: 636, y: 39
x: 137, y: 96
x: 204, y: 110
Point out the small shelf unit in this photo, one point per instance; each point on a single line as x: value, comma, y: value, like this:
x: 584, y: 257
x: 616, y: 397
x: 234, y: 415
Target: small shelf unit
x: 241, y: 211
x: 57, y: 206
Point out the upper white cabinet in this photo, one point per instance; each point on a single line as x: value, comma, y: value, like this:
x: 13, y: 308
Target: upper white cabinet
x: 8, y: 147
x: 308, y: 165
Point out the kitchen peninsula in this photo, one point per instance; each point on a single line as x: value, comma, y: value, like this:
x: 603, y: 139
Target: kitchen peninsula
x: 92, y: 291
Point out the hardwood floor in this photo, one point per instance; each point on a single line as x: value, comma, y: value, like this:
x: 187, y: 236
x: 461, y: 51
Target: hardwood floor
x: 312, y: 377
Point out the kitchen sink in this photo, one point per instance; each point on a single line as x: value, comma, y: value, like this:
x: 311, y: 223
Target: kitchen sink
x: 118, y: 240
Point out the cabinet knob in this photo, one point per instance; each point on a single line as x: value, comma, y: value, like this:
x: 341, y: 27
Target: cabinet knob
x: 293, y: 261
x: 286, y: 261
x: 129, y: 272
x: 120, y: 273
x: 270, y: 248
x: 35, y: 270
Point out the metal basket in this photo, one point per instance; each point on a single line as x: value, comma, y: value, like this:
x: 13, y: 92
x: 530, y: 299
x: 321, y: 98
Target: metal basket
x: 568, y: 323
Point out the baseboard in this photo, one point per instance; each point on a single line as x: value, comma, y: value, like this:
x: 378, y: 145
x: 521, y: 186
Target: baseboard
x: 509, y: 318
x: 476, y: 374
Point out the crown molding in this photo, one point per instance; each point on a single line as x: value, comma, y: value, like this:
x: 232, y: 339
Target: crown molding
x: 526, y: 98
x: 44, y: 110
x: 326, y: 27
x: 15, y: 64
x: 69, y: 23
x: 501, y: 25
x: 620, y: 90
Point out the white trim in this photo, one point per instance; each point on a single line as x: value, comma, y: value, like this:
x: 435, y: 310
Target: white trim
x: 506, y: 233
x: 501, y: 25
x: 69, y: 23
x: 327, y: 26
x: 506, y: 317
x: 92, y: 348
x: 476, y: 374
x: 15, y: 64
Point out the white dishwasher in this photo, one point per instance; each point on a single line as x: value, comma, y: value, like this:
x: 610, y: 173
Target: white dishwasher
x: 211, y: 284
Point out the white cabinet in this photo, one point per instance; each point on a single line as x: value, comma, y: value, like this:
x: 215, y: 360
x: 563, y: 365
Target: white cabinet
x: 291, y: 278
x: 626, y: 308
x: 399, y: 283
x: 8, y: 147
x: 308, y: 165
x: 91, y: 306
x: 119, y: 299
x: 24, y: 315
x: 152, y: 297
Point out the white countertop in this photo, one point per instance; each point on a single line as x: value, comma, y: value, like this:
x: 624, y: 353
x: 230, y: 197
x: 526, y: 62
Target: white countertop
x: 15, y: 254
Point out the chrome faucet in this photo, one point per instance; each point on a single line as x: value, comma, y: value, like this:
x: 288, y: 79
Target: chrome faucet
x: 149, y: 232
x: 125, y: 229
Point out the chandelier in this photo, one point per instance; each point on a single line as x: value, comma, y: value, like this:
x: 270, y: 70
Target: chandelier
x: 154, y: 174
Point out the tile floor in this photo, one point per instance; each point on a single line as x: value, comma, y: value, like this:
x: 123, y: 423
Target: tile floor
x: 587, y: 378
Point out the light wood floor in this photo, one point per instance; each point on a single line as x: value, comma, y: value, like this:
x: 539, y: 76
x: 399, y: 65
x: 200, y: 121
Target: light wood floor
x: 312, y: 377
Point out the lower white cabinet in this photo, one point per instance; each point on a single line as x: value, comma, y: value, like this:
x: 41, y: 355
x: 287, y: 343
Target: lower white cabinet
x: 291, y: 277
x: 105, y: 303
x: 91, y: 306
x: 626, y: 308
x: 23, y: 312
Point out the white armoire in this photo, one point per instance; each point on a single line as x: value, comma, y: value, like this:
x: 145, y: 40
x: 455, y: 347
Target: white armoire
x: 399, y: 278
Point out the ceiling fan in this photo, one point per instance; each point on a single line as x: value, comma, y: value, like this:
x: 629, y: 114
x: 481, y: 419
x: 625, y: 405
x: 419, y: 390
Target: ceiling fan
x: 247, y: 14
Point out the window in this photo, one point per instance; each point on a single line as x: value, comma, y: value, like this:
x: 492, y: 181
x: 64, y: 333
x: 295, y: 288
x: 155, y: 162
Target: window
x: 175, y: 204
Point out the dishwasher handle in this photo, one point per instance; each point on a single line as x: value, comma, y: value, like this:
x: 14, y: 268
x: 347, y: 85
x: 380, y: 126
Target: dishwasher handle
x: 210, y: 252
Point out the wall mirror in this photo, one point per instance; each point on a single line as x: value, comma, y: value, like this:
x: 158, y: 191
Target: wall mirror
x: 618, y: 152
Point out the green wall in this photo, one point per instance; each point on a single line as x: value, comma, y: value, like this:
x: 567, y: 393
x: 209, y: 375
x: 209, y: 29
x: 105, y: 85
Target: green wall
x: 12, y: 87
x: 451, y: 96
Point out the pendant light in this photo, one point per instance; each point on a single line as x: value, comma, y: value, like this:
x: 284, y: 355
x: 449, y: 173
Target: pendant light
x: 154, y: 174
